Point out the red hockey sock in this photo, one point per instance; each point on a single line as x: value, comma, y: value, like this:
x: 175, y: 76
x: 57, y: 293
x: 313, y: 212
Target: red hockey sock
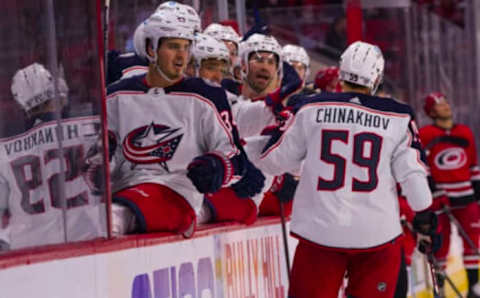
x: 163, y: 209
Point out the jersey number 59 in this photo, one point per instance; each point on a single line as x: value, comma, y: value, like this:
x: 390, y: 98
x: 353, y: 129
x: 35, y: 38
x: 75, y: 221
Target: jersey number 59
x: 364, y: 158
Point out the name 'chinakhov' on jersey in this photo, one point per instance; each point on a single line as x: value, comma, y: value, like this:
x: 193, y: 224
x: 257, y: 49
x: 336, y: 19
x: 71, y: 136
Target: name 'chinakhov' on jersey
x: 160, y: 130
x: 356, y: 148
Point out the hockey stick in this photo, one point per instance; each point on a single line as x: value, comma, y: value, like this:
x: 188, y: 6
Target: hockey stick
x: 433, y: 275
x: 435, y: 269
x: 441, y: 273
x: 461, y: 230
x: 106, y: 28
x: 285, y: 239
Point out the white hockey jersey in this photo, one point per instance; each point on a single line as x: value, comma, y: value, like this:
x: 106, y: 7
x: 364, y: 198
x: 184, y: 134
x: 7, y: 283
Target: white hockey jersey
x: 251, y: 117
x: 356, y: 148
x: 159, y: 131
x: 30, y: 173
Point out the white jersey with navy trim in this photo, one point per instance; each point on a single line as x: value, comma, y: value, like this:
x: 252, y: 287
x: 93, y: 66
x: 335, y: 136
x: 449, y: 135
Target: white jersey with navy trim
x: 251, y: 117
x: 356, y: 148
x: 30, y: 185
x: 159, y: 132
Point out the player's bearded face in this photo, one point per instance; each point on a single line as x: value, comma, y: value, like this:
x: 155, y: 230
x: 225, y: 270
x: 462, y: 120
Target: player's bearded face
x: 173, y: 56
x: 262, y: 68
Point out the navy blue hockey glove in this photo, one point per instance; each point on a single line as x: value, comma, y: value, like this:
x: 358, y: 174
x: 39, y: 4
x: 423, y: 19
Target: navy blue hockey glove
x: 426, y: 223
x: 251, y: 182
x: 291, y: 82
x: 284, y: 187
x: 207, y: 173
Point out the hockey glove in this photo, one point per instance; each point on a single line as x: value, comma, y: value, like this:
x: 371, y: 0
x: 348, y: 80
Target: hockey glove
x: 284, y: 187
x: 92, y: 170
x: 426, y: 223
x: 291, y: 82
x: 251, y: 183
x: 207, y: 172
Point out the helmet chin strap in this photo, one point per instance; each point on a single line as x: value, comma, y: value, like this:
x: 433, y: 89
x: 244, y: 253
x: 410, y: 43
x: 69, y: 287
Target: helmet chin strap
x: 163, y: 75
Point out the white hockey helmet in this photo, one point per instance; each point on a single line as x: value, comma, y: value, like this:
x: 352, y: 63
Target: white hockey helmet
x: 191, y: 16
x: 293, y: 53
x: 164, y: 24
x: 261, y: 43
x: 207, y: 47
x: 34, y: 85
x: 139, y: 42
x: 222, y: 32
x: 362, y: 64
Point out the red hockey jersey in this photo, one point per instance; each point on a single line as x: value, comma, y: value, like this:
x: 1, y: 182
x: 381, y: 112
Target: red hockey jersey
x: 451, y: 155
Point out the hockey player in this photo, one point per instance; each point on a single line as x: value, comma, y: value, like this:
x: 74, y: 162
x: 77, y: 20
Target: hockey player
x: 452, y: 157
x: 211, y: 57
x: 32, y: 209
x: 38, y: 108
x: 134, y: 63
x: 356, y: 147
x: 298, y: 58
x: 179, y: 147
x: 229, y: 36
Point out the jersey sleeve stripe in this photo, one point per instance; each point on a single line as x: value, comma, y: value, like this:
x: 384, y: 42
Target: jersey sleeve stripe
x: 280, y: 140
x: 133, y: 68
x: 124, y: 92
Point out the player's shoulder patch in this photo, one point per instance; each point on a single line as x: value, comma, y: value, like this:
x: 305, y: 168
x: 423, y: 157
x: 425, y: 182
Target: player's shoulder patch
x: 135, y: 83
x: 215, y: 94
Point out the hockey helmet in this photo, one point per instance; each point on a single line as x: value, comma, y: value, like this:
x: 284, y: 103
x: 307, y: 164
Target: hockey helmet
x: 163, y: 24
x: 261, y: 43
x: 34, y: 85
x: 362, y: 64
x: 207, y: 47
x: 191, y: 16
x: 222, y: 32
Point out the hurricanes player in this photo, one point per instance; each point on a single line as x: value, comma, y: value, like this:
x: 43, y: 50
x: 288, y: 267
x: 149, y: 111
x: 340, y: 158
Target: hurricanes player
x: 452, y: 157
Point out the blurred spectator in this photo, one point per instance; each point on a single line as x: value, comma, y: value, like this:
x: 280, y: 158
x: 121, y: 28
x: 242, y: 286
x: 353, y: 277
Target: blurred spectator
x: 337, y: 34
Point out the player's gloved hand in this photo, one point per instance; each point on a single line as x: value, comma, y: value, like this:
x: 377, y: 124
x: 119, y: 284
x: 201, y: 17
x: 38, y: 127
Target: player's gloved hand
x: 92, y: 169
x: 207, y: 172
x: 291, y: 82
x: 283, y: 187
x: 439, y: 203
x: 251, y: 183
x: 425, y: 223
